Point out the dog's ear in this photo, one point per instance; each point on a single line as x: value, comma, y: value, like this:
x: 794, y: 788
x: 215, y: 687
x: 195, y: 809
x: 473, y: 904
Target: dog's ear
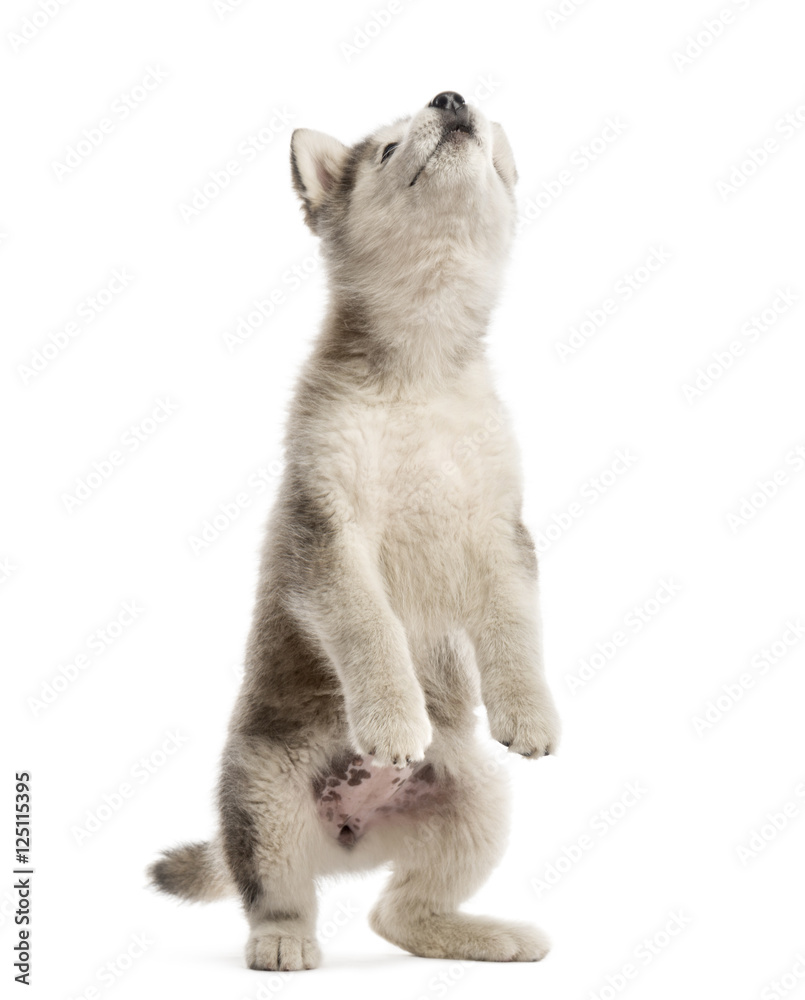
x: 502, y: 156
x: 317, y: 161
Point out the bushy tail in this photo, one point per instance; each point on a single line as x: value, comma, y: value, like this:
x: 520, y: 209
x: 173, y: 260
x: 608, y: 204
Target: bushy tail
x: 192, y: 871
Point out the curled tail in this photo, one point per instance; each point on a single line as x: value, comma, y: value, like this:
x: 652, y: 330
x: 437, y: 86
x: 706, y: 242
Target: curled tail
x: 192, y: 871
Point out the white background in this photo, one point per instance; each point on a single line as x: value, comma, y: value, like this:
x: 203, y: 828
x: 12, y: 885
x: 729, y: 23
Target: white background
x: 704, y: 791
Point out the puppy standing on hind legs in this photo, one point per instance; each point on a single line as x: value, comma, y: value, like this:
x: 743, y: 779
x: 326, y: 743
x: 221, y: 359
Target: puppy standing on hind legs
x: 398, y: 583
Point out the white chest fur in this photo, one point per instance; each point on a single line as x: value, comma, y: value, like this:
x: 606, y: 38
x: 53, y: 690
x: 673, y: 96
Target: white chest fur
x: 424, y: 480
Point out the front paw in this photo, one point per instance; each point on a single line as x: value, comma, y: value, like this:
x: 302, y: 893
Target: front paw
x: 528, y: 726
x: 392, y: 735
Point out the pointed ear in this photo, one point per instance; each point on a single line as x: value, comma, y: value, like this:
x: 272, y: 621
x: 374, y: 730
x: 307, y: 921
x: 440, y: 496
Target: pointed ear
x: 502, y: 156
x: 316, y: 164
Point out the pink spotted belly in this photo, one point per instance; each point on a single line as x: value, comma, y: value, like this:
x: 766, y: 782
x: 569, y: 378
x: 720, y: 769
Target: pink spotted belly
x: 356, y: 796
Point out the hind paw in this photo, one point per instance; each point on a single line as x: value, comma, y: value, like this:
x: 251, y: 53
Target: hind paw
x: 462, y: 936
x: 281, y: 951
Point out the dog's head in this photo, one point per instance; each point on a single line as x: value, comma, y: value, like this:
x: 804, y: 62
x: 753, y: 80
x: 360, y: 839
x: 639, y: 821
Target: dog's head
x: 432, y: 189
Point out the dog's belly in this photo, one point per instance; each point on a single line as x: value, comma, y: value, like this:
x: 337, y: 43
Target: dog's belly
x: 356, y: 796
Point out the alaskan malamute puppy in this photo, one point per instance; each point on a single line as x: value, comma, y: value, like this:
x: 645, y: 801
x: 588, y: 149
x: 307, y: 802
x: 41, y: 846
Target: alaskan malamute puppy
x: 398, y: 583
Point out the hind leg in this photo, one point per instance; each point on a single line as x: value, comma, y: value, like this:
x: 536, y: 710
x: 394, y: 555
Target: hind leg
x: 439, y: 862
x: 269, y: 831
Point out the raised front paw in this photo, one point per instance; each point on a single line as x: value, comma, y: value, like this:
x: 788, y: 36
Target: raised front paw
x: 392, y: 734
x: 526, y: 726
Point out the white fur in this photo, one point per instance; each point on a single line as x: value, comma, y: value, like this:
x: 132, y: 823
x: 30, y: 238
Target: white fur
x: 398, y: 582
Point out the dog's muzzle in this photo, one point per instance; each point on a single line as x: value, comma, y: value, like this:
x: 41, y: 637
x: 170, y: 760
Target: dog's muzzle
x: 455, y: 112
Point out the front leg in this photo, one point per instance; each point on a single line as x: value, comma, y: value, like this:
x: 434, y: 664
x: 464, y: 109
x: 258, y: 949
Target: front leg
x: 508, y: 648
x: 347, y: 608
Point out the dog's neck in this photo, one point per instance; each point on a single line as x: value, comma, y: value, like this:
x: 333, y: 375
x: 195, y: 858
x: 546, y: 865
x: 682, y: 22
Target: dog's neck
x: 415, y: 326
x: 413, y: 347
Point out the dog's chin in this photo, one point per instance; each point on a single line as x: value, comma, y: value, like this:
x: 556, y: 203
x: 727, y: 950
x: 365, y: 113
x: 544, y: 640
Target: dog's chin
x: 452, y: 150
x: 459, y: 133
x: 459, y: 154
x: 458, y: 137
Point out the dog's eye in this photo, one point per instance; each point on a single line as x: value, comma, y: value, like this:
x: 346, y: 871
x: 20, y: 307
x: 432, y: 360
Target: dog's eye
x: 388, y: 151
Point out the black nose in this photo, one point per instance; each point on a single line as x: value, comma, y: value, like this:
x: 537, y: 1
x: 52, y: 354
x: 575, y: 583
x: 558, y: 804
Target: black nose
x: 447, y: 101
